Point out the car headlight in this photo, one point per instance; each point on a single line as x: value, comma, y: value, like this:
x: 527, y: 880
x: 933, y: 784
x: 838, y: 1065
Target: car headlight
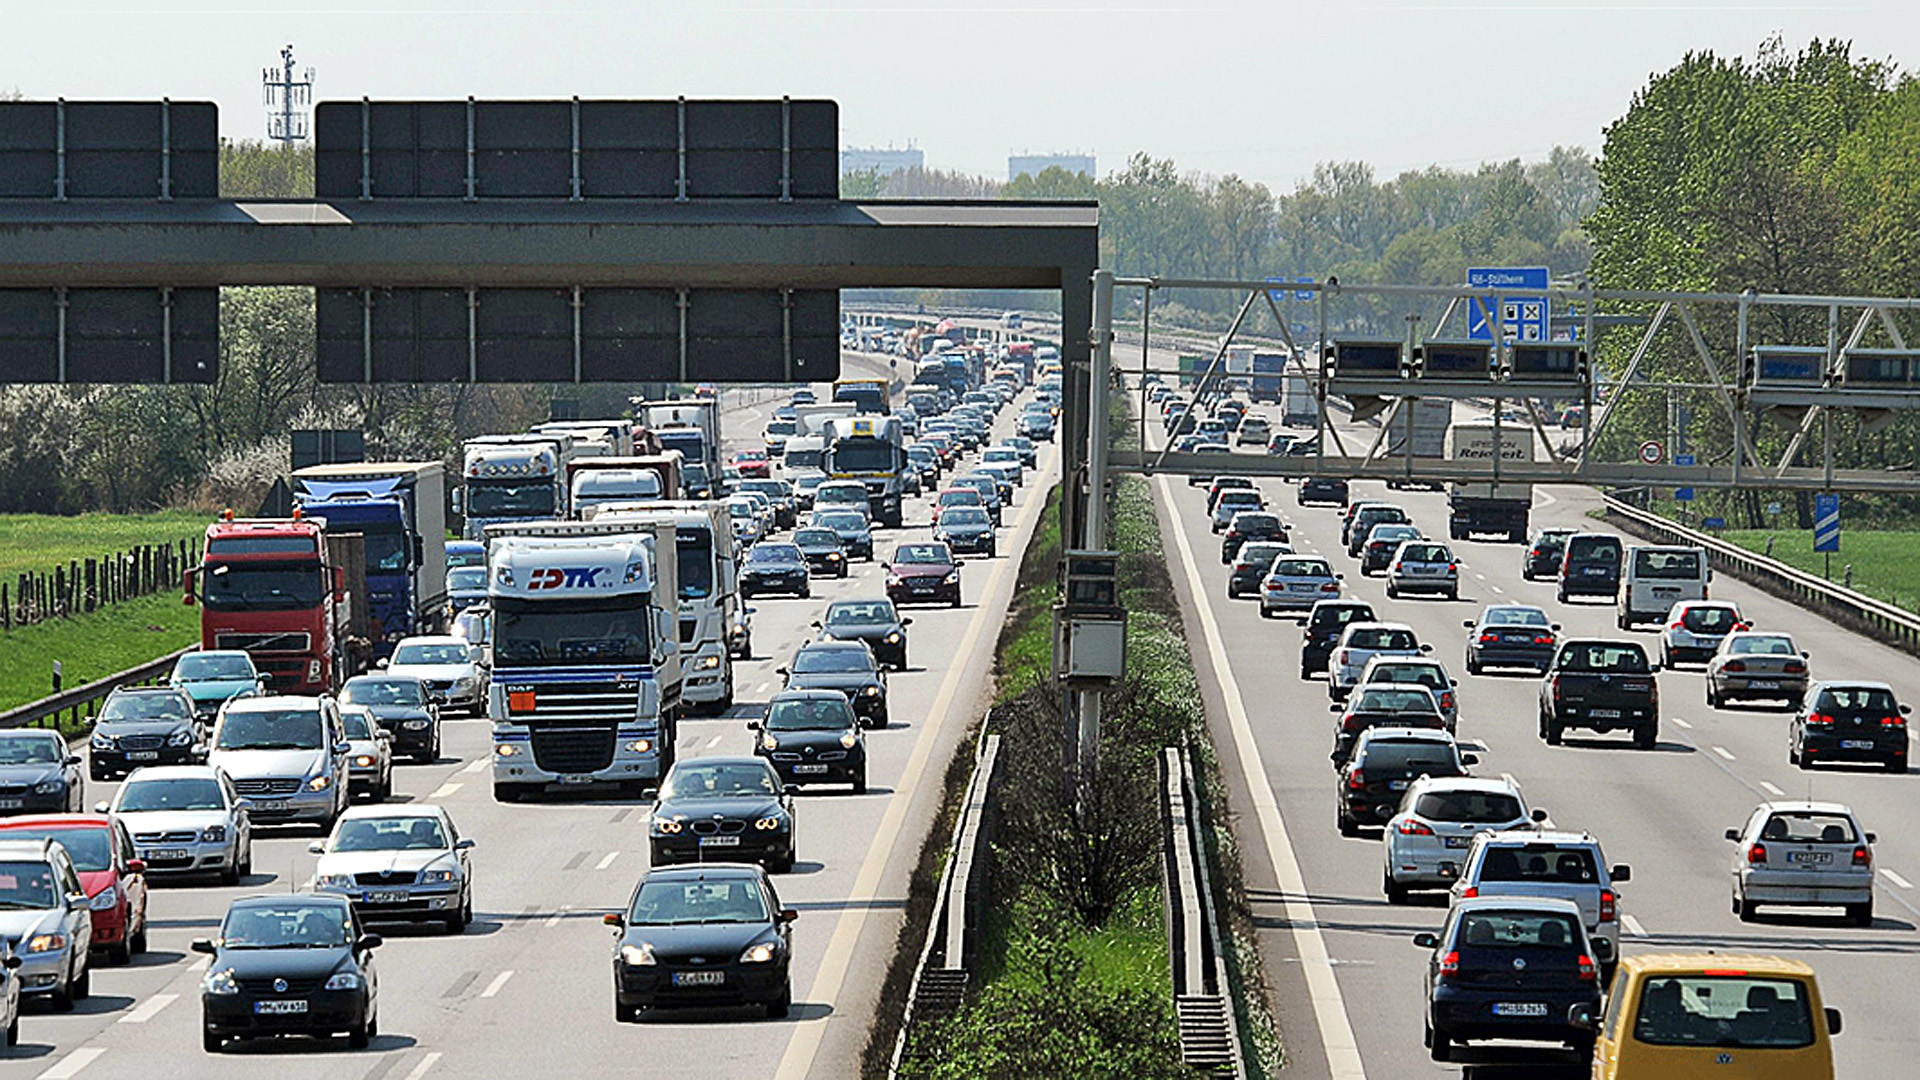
x: 871, y: 691
x: 893, y: 638
x: 333, y: 881
x: 413, y: 725
x: 214, y: 834
x: 182, y: 737
x: 770, y: 822
x: 320, y: 783
x: 50, y: 787
x: 768, y: 741
x: 953, y: 578
x: 637, y: 954
x: 833, y: 556
x: 105, y: 899
x: 762, y: 953
x: 668, y: 826
x: 438, y: 877
x: 343, y: 980
x: 101, y: 742
x: 45, y: 943
x: 894, y: 579
x: 222, y: 982
x: 466, y: 682
x: 849, y: 740
x: 363, y: 761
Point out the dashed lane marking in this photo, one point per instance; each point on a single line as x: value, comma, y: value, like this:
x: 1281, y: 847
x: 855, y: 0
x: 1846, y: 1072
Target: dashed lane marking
x: 606, y: 860
x: 67, y: 1066
x: 1896, y: 879
x: 499, y: 981
x: 713, y: 742
x: 1771, y: 790
x: 1633, y: 926
x: 426, y: 1063
x: 475, y: 766
x: 1677, y: 722
x: 149, y: 1008
x: 1725, y: 753
x: 446, y: 789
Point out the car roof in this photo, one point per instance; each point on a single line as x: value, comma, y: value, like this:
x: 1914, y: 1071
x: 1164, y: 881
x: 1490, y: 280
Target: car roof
x: 393, y: 810
x: 1835, y: 684
x: 1681, y: 963
x: 1803, y: 805
x: 1406, y: 734
x: 174, y: 772
x: 154, y: 691
x: 278, y: 701
x: 1489, y: 784
x: 703, y: 871
x: 807, y: 695
x: 275, y: 899
x: 1521, y: 838
x: 839, y: 646
x: 431, y: 639
x: 1402, y: 661
x: 1380, y: 625
x: 44, y: 820
x: 1511, y: 902
x: 725, y: 759
x: 24, y: 849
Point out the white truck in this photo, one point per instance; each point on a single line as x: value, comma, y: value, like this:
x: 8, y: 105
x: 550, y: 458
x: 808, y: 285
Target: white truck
x: 615, y: 434
x: 1429, y: 419
x: 707, y: 573
x: 807, y: 446
x: 600, y: 481
x: 508, y: 478
x: 1487, y: 506
x: 691, y: 426
x: 586, y: 681
x: 872, y: 450
x: 1298, y: 409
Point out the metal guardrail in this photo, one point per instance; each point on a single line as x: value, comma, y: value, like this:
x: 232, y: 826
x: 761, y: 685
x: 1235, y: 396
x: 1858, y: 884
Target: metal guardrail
x: 1203, y: 1001
x: 65, y: 708
x: 1893, y: 625
x: 940, y: 978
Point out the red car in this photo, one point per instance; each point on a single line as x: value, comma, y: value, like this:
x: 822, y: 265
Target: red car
x: 115, y: 881
x: 924, y: 573
x: 753, y: 463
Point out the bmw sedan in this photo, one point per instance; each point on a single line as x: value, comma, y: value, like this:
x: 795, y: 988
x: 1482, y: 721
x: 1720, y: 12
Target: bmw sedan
x: 1510, y: 635
x: 775, y: 568
x: 812, y: 737
x: 402, y: 863
x: 713, y: 934
x: 38, y: 773
x: 404, y: 709
x: 289, y: 965
x: 732, y: 808
x: 856, y: 534
x: 876, y: 622
x: 846, y: 666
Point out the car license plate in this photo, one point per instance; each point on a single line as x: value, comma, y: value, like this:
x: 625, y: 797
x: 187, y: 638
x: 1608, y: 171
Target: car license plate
x: 1519, y: 1008
x: 1764, y: 684
x: 385, y: 896
x: 143, y: 755
x: 165, y: 853
x: 577, y: 778
x: 1397, y: 785
x: 917, y: 587
x: 809, y: 768
x: 1459, y: 841
x: 266, y: 805
x: 719, y: 841
x: 1303, y: 586
x: 279, y: 1007
x: 1856, y: 744
x: 699, y: 978
x: 1810, y: 858
x: 1606, y: 714
x: 12, y: 804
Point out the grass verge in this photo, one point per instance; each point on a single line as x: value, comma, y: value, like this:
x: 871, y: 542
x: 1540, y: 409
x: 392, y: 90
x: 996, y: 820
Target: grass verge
x: 92, y: 646
x: 36, y: 543
x: 1886, y: 564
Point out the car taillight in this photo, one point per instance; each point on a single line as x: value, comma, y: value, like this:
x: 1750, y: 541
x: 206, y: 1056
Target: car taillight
x: 1543, y: 639
x: 1410, y: 827
x: 1488, y: 639
x: 1862, y: 856
x: 1741, y: 665
x: 1607, y: 910
x: 1344, y: 658
x: 1893, y: 721
x: 1446, y: 700
x: 1555, y: 687
x: 1756, y: 854
x: 1673, y: 626
x: 1588, y: 973
x: 1792, y: 667
x: 1356, y: 779
x: 1450, y: 963
x: 1819, y: 720
x: 1469, y: 892
x: 1351, y: 722
x: 1331, y: 586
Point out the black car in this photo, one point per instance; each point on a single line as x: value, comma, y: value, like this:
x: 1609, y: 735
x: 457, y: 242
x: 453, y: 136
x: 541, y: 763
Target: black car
x: 1384, y: 764
x: 144, y: 725
x: 1544, y: 555
x: 1510, y: 967
x: 775, y: 568
x: 702, y: 935
x: 1590, y: 566
x: 1381, y: 705
x: 1320, y: 489
x: 1326, y: 620
x: 875, y: 622
x: 966, y: 528
x: 695, y: 481
x: 1510, y: 635
x: 846, y: 666
x: 1377, y: 550
x: 1251, y: 525
x: 1601, y: 685
x: 812, y: 737
x: 289, y: 965
x: 1250, y: 566
x: 855, y: 532
x: 823, y: 551
x: 732, y: 808
x: 785, y: 510
x: 403, y: 708
x: 1850, y: 721
x: 39, y: 774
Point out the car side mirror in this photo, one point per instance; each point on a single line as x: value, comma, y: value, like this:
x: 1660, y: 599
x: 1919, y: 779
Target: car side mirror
x: 1555, y: 627
x: 788, y: 915
x: 101, y: 807
x: 465, y: 843
x: 369, y: 941
x: 1427, y: 941
x: 77, y: 899
x: 1539, y: 815
x: 203, y: 945
x: 1580, y: 1015
x: 381, y: 663
x: 1733, y: 835
x: 136, y: 866
x: 1621, y: 873
x: 12, y: 963
x: 753, y: 725
x: 317, y: 847
x: 1426, y: 648
x: 907, y: 621
x: 1833, y: 1020
x: 614, y: 918
x: 1906, y: 710
x: 263, y: 678
x: 780, y: 671
x: 1873, y: 838
x: 1468, y: 623
x: 1469, y: 759
x: 73, y: 759
x: 1339, y: 577
x: 815, y: 624
x: 1653, y: 669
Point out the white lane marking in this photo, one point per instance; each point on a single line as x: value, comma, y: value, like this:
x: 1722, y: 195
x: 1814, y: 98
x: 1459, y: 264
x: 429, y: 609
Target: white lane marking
x: 1896, y: 879
x: 1497, y: 589
x: 763, y: 688
x: 554, y: 919
x: 499, y: 981
x: 149, y: 1008
x: 446, y: 789
x: 426, y: 1063
x: 1323, y: 989
x: 1633, y: 926
x: 72, y: 1063
x: 713, y: 742
x: 1725, y: 753
x: 1677, y: 722
x: 606, y: 860
x: 797, y: 1062
x: 476, y: 766
x: 201, y: 964
x: 1771, y: 790
x: 1477, y: 576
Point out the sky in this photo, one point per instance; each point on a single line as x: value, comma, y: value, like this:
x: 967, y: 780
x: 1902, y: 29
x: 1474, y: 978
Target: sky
x: 1262, y: 90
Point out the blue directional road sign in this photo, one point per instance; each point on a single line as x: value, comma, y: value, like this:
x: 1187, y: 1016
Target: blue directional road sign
x: 1826, y: 523
x: 1276, y: 295
x: 1683, y: 494
x: 1303, y: 294
x: 1524, y: 313
x: 1684, y: 459
x: 1713, y: 523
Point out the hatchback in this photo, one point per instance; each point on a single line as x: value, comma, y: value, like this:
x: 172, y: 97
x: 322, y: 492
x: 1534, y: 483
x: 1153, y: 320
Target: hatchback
x: 1384, y: 762
x: 289, y: 965
x: 1250, y: 525
x: 1852, y: 720
x: 1695, y: 629
x: 702, y: 935
x: 1389, y: 706
x: 1803, y: 854
x: 1510, y: 967
x: 1251, y: 565
x: 1361, y: 642
x: 1427, y: 840
x: 1423, y: 566
x: 1377, y: 553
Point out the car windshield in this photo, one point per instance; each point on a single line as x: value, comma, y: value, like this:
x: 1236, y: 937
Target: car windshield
x: 695, y: 781
x: 274, y: 729
x: 1393, y: 700
x: 90, y: 846
x: 964, y: 515
x: 1514, y: 616
x: 1468, y: 807
x: 1709, y: 620
x: 812, y: 714
x: 1427, y: 675
x: 467, y: 577
x: 1381, y: 637
x: 1313, y: 568
x: 1655, y: 563
x: 1809, y: 827
x: 860, y: 611
x: 847, y: 520
x: 35, y: 749
x: 356, y: 724
x: 1723, y: 1011
x: 209, y: 668
x: 1517, y: 929
x: 25, y: 884
x: 451, y: 653
x: 1409, y: 755
x: 390, y: 834
x: 810, y: 482
x: 285, y: 926
x: 1245, y: 522
x: 774, y: 553
x: 166, y: 706
x: 926, y: 554
x: 1541, y: 864
x: 817, y: 538
x: 830, y: 662
x: 383, y: 692
x: 1603, y: 656
x: 181, y: 793
x: 1762, y: 645
x: 674, y: 903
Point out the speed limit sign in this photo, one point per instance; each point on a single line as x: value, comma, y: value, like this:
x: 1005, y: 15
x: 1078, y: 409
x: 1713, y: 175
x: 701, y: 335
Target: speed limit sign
x: 1651, y: 452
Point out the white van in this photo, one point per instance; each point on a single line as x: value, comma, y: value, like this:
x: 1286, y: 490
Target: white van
x: 1653, y: 579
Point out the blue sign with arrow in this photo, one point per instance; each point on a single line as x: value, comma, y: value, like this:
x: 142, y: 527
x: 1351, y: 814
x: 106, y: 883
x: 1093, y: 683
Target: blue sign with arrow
x: 1826, y: 523
x: 1524, y: 313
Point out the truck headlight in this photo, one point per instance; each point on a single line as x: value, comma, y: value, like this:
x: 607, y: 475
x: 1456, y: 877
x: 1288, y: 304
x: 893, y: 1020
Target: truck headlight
x: 506, y: 750
x: 640, y: 746
x: 706, y: 663
x: 221, y: 983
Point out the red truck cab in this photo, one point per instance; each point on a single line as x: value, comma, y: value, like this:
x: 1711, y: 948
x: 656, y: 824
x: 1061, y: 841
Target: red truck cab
x: 267, y: 587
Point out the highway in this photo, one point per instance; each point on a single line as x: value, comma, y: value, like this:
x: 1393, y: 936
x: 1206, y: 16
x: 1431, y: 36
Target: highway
x: 527, y: 989
x: 1347, y: 979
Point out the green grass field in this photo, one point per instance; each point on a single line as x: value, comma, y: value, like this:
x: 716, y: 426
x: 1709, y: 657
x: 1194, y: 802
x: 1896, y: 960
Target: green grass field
x: 92, y: 646
x: 39, y: 542
x: 1886, y: 565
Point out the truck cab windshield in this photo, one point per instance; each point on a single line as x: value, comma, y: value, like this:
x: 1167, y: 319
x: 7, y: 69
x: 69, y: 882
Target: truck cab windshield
x: 257, y: 586
x: 506, y: 498
x: 695, y: 563
x: 862, y: 456
x: 586, y: 631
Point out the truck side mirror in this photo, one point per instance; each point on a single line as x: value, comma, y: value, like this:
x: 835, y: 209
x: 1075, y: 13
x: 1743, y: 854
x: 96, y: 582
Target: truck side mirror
x: 186, y: 585
x: 419, y: 550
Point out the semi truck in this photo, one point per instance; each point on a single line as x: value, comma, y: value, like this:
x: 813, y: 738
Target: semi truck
x: 586, y: 680
x: 509, y: 478
x: 400, y: 508
x: 287, y: 592
x: 807, y: 446
x: 706, y: 573
x: 615, y: 435
x: 1430, y: 419
x: 689, y: 425
x: 872, y: 450
x: 872, y: 396
x: 1486, y: 506
x: 1298, y: 409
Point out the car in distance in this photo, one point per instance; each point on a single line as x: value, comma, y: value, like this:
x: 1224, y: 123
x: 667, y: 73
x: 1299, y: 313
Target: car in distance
x: 1510, y: 967
x: 1544, y: 554
x: 966, y: 528
x: 812, y: 737
x: 702, y: 935
x: 1417, y: 671
x: 1251, y: 565
x: 851, y: 526
x: 732, y: 808
x: 1231, y: 501
x: 1423, y: 566
x: 1556, y: 863
x: 775, y: 568
x: 44, y: 914
x: 1756, y: 664
x: 369, y: 754
x: 1297, y: 583
x: 1849, y: 720
x: 1381, y: 544
x: 112, y: 876
x: 876, y: 622
x: 1590, y: 566
x: 1247, y: 526
x: 1603, y: 686
x: 145, y: 725
x: 1384, y: 762
x: 211, y: 676
x: 1359, y: 643
x: 923, y: 573
x: 846, y: 666
x: 1695, y: 629
x: 1326, y: 621
x: 450, y: 666
x: 1510, y: 635
x: 1321, y: 490
x: 185, y: 819
x: 289, y: 965
x: 401, y: 863
x: 1426, y: 841
x: 824, y: 553
x: 404, y: 709
x: 1388, y: 706
x: 1803, y: 854
x: 38, y: 774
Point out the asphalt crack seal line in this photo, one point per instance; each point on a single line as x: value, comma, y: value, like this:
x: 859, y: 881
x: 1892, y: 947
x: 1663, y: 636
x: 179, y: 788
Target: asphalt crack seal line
x: 1323, y: 989
x: 797, y: 1062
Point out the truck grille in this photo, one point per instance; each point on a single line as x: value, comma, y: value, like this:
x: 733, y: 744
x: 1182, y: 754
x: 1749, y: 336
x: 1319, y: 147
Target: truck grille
x: 597, y: 702
x: 573, y: 749
x: 292, y: 641
x: 271, y: 786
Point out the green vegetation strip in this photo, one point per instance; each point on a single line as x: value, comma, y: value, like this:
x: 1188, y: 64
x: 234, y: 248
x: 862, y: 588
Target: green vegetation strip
x: 92, y: 646
x: 1886, y: 565
x: 36, y: 543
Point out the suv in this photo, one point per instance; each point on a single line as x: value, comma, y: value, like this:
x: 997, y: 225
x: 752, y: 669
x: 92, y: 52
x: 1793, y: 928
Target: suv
x: 1326, y: 620
x: 1563, y: 865
x: 1601, y: 685
x: 287, y: 757
x: 1804, y: 854
x: 147, y: 725
x: 46, y: 903
x: 1427, y: 841
x: 1510, y: 968
x: 1384, y: 763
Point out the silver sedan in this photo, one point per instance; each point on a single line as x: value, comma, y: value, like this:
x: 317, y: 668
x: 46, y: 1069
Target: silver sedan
x: 1756, y: 664
x: 398, y: 862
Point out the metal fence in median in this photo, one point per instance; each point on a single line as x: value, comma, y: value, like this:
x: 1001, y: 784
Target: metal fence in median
x: 1202, y: 994
x: 68, y: 707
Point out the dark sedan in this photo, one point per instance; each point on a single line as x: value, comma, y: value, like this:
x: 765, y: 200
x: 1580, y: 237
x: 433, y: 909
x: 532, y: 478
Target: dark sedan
x: 145, y: 725
x: 966, y: 528
x: 1382, y: 705
x: 403, y: 709
x: 855, y: 532
x: 289, y: 965
x: 1511, y: 635
x: 923, y: 573
x: 1250, y: 566
x: 1250, y: 525
x: 812, y: 737
x: 1318, y: 489
x: 1543, y: 556
x: 732, y: 808
x: 988, y: 488
x: 875, y: 622
x: 702, y: 935
x: 1385, y: 762
x: 775, y: 568
x: 846, y: 666
x: 39, y: 773
x: 1326, y: 621
x: 824, y: 553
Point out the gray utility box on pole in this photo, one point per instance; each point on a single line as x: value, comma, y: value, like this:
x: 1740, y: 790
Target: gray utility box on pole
x: 1090, y: 626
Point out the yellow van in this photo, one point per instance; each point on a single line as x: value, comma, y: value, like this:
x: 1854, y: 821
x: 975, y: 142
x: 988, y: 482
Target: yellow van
x: 1682, y: 1016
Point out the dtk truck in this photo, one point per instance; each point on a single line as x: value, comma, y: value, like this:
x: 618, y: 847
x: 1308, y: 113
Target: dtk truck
x: 510, y: 478
x: 289, y: 594
x: 707, y: 576
x: 401, y: 509
x: 1488, y: 507
x: 586, y: 663
x: 872, y: 450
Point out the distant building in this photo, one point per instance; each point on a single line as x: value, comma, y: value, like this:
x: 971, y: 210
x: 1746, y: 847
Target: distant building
x: 885, y: 162
x: 1035, y: 164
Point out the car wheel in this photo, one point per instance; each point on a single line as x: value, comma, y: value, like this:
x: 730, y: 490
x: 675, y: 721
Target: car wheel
x: 209, y: 1040
x: 1439, y: 1045
x: 83, y: 986
x: 1861, y: 914
x: 1392, y: 593
x: 1396, y: 892
x: 782, y: 865
x: 230, y: 874
x: 1744, y: 908
x: 1453, y: 593
x: 1646, y: 738
x: 120, y: 955
x: 843, y: 568
x: 1562, y: 596
x: 806, y: 594
x: 1346, y: 825
x: 1473, y: 666
x: 506, y: 792
x: 1620, y: 620
x: 100, y: 776
x: 778, y: 1008
x: 138, y: 940
x: 361, y: 1037
x: 1897, y: 765
x: 860, y: 782
x: 1793, y: 756
x: 1266, y: 612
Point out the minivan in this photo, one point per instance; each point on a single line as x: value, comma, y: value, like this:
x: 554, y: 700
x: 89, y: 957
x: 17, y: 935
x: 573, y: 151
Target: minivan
x: 1681, y: 1016
x: 1590, y: 566
x: 1656, y: 578
x: 287, y: 757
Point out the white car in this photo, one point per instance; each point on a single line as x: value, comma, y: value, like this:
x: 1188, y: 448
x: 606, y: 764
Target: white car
x: 1695, y: 628
x: 185, y: 819
x: 1253, y: 430
x: 1427, y: 841
x: 1296, y: 583
x: 404, y: 862
x: 450, y: 666
x: 1361, y: 642
x: 1423, y: 566
x: 1804, y: 854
